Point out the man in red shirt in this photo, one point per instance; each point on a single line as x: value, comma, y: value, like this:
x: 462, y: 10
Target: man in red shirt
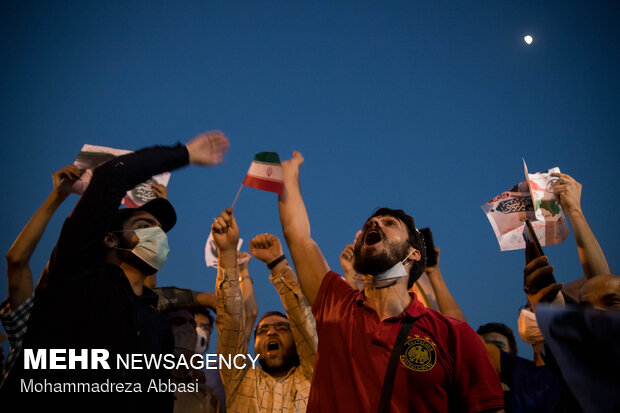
x: 442, y: 365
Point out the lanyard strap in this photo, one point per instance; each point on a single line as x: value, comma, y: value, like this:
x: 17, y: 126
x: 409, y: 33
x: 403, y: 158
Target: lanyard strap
x: 390, y: 373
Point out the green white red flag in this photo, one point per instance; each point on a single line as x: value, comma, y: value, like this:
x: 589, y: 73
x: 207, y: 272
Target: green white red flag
x: 265, y: 173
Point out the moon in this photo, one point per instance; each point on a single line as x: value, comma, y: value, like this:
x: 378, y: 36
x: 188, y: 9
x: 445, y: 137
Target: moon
x: 528, y: 39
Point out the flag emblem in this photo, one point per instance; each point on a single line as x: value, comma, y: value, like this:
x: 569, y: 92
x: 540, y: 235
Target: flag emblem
x: 265, y: 173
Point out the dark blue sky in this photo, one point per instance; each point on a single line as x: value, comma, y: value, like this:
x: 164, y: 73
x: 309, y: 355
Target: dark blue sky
x: 425, y: 106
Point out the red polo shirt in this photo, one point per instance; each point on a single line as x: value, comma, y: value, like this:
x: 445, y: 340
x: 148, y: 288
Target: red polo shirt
x: 443, y: 365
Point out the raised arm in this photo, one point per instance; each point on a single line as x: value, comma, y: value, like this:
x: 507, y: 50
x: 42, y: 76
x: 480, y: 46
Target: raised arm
x: 267, y: 248
x: 250, y: 307
x: 230, y: 320
x: 309, y: 262
x: 19, y: 274
x: 78, y: 243
x: 447, y: 304
x: 568, y: 194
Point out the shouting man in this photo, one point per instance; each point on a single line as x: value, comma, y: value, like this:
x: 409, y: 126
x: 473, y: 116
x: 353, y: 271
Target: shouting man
x: 284, y: 344
x: 380, y: 349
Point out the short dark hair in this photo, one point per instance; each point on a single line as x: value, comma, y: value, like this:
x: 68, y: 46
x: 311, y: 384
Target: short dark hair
x: 415, y: 239
x: 502, y: 329
x: 268, y: 314
x: 207, y: 313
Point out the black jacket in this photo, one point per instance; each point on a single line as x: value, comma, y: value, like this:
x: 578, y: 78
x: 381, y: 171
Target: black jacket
x: 84, y: 303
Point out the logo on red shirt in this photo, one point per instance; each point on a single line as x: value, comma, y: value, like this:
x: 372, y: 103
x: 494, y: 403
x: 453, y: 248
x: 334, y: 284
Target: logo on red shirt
x: 419, y: 354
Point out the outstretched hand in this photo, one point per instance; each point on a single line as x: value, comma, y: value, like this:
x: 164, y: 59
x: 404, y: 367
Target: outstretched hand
x: 567, y: 191
x: 266, y: 247
x: 69, y: 172
x: 207, y: 149
x: 225, y: 231
x: 533, y: 275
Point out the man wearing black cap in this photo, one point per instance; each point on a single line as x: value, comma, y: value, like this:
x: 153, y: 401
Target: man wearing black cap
x: 93, y: 296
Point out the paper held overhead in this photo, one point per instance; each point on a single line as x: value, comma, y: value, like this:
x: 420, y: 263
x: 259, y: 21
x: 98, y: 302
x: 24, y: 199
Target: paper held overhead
x: 531, y: 199
x: 91, y: 156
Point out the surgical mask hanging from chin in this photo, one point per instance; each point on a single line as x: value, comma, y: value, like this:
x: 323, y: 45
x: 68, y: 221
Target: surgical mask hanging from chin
x: 388, y: 277
x: 152, y: 248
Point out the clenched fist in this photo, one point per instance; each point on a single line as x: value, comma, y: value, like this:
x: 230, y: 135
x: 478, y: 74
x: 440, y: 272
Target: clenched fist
x: 266, y: 247
x: 225, y: 231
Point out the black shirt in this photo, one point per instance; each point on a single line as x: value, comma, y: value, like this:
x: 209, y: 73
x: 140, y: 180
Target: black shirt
x: 84, y: 303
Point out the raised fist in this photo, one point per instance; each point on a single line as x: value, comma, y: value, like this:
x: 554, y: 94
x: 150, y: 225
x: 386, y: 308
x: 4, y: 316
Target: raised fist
x: 266, y: 247
x: 225, y: 231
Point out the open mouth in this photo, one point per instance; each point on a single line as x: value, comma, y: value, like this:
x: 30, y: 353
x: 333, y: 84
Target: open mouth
x: 373, y: 236
x: 273, y: 346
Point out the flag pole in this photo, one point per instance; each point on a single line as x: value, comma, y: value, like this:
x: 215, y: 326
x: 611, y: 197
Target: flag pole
x: 237, y: 196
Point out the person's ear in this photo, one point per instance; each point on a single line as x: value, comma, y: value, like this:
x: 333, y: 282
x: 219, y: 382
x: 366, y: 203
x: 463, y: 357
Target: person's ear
x: 413, y: 256
x: 110, y: 240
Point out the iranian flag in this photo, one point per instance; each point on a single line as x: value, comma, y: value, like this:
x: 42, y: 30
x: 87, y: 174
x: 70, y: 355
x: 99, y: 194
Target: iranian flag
x: 265, y: 173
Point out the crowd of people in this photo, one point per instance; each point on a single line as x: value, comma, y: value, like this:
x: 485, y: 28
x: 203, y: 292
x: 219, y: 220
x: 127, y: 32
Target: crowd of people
x: 366, y: 341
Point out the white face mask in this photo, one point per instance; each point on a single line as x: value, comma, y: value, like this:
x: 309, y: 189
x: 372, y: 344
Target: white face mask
x: 384, y: 279
x: 152, y: 248
x: 201, y: 341
x: 528, y: 328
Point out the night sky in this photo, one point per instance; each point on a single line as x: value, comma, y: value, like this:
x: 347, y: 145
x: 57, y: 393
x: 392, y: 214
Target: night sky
x: 424, y: 106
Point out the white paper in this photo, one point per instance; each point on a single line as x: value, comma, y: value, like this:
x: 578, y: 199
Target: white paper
x: 91, y: 156
x: 541, y: 188
x: 531, y: 199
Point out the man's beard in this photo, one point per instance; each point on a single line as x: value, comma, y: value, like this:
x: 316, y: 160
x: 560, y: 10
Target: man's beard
x: 378, y: 263
x: 289, y: 359
x: 132, y: 259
